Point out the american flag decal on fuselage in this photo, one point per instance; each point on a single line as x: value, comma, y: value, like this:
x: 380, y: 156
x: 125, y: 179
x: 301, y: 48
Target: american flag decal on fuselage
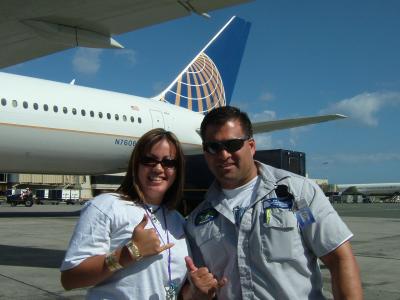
x: 200, y: 88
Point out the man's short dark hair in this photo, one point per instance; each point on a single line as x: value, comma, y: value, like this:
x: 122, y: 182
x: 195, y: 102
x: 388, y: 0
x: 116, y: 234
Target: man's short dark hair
x: 220, y: 115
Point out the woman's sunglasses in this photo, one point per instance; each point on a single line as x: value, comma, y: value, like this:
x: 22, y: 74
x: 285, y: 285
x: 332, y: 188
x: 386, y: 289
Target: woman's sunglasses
x: 152, y: 162
x: 231, y: 145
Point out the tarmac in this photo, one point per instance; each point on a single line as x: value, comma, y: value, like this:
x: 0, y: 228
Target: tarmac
x: 34, y: 239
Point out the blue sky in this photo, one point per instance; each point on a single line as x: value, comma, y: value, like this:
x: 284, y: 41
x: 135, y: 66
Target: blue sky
x: 302, y: 58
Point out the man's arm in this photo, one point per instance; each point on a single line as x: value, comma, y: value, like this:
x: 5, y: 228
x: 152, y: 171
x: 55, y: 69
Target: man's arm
x: 345, y: 274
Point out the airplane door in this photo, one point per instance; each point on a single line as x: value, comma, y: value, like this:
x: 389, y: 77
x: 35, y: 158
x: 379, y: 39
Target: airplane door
x: 157, y: 118
x: 168, y: 121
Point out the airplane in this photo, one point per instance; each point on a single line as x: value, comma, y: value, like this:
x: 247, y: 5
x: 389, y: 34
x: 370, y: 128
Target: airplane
x: 31, y: 29
x: 49, y: 127
x: 383, y: 190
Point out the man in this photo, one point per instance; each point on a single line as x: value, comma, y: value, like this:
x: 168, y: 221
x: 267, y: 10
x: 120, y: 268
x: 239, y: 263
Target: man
x: 262, y: 229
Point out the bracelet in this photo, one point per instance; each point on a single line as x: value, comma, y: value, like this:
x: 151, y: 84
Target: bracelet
x: 133, y: 251
x: 112, y: 262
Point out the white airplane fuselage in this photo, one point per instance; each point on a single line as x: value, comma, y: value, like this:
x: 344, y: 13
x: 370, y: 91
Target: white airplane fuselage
x: 372, y: 188
x: 92, y: 132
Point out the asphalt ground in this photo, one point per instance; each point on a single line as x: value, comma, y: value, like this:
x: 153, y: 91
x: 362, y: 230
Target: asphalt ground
x: 33, y: 242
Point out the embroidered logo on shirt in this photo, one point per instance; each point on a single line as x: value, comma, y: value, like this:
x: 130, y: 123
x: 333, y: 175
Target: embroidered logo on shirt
x: 205, y: 216
x: 284, y: 203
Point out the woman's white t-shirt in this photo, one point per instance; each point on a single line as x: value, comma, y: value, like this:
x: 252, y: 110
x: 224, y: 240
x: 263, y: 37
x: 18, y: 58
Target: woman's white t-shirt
x: 106, y: 223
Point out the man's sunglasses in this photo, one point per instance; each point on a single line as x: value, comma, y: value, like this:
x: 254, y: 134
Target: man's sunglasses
x: 231, y: 146
x: 152, y: 162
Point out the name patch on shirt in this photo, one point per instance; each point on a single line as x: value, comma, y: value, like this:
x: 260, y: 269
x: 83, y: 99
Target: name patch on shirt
x: 205, y: 216
x: 280, y: 202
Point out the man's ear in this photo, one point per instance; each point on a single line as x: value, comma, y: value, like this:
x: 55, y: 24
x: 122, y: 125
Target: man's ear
x: 252, y: 144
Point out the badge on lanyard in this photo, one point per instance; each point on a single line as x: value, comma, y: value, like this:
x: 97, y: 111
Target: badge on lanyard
x: 303, y: 214
x: 171, y: 292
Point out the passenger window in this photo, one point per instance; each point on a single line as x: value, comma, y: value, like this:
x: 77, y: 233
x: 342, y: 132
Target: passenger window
x: 14, y: 103
x: 3, y: 102
x: 55, y: 108
x: 92, y: 113
x: 132, y: 119
x: 108, y: 116
x: 116, y: 117
x: 65, y: 110
x: 140, y: 120
x: 35, y: 106
x: 83, y: 112
x: 100, y: 115
x: 124, y: 118
x: 25, y: 104
x: 74, y: 111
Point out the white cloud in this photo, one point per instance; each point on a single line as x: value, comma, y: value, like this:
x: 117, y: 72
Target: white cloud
x: 87, y: 60
x: 263, y: 141
x: 296, y: 133
x: 266, y: 115
x: 364, y: 107
x: 357, y: 158
x: 243, y: 105
x: 267, y: 96
x: 129, y: 54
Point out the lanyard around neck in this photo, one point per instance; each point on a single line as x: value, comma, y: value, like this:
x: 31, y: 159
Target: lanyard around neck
x: 147, y: 209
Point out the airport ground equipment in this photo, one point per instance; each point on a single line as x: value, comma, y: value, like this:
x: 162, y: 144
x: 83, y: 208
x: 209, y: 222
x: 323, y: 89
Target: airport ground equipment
x: 19, y: 199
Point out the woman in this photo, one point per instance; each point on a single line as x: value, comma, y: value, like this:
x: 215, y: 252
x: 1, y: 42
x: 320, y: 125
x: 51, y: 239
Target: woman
x: 131, y: 244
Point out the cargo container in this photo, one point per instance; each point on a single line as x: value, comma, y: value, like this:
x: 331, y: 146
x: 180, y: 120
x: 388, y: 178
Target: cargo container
x: 55, y: 196
x: 42, y: 194
x: 70, y: 196
x: 65, y: 195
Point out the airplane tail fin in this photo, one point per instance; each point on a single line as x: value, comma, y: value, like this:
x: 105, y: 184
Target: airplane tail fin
x: 208, y: 81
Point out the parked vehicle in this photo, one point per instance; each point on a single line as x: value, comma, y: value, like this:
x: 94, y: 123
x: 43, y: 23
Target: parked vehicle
x: 23, y: 198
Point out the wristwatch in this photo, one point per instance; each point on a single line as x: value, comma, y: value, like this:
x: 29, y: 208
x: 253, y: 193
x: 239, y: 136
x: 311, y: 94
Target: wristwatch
x: 133, y: 251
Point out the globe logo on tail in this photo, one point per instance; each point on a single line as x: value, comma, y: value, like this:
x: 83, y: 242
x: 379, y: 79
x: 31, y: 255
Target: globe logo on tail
x: 199, y: 88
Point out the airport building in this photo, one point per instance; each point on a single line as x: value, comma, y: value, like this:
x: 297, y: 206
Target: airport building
x: 3, y: 182
x: 66, y: 187
x: 73, y: 188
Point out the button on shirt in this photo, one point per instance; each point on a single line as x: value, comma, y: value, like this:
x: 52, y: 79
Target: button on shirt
x: 267, y: 256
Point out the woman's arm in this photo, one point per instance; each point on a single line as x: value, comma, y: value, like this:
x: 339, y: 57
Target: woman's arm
x: 95, y: 269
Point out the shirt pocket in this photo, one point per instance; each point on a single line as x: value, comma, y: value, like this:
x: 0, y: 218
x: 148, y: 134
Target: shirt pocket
x: 280, y: 236
x: 210, y: 245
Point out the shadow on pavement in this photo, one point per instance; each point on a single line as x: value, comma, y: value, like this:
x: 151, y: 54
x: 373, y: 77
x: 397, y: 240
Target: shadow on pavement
x: 30, y: 257
x: 28, y: 214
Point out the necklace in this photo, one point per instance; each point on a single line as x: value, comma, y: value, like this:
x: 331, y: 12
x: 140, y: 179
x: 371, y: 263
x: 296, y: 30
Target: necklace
x: 171, y: 291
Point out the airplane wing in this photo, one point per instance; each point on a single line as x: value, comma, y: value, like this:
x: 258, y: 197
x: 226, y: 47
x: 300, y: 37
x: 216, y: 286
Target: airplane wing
x: 31, y: 29
x: 260, y: 127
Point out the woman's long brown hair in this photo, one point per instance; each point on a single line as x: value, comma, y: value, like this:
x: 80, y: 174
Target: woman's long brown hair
x: 130, y: 187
